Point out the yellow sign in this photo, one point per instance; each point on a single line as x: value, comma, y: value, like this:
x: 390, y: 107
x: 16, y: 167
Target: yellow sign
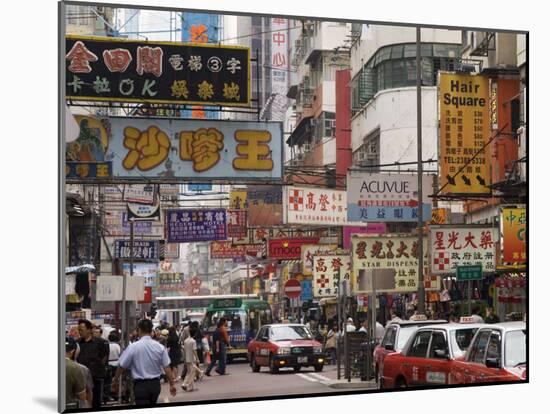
x: 465, y: 128
x: 439, y: 216
x: 237, y: 200
x: 513, y: 224
x: 285, y: 273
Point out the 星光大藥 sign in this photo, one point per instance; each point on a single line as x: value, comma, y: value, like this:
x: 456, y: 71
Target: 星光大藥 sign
x: 123, y: 70
x: 387, y: 197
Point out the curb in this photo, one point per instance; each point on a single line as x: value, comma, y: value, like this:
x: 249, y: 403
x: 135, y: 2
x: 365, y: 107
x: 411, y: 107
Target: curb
x: 353, y: 385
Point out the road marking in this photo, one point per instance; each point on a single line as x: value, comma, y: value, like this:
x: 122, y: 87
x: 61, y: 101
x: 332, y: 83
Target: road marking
x: 304, y: 376
x: 321, y: 377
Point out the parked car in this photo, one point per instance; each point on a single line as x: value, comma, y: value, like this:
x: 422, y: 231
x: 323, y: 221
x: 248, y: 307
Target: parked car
x: 428, y: 355
x: 395, y: 337
x: 497, y: 354
x: 285, y: 345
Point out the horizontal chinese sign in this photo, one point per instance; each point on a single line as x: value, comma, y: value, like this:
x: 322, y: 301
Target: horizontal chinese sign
x: 88, y: 170
x: 184, y: 226
x: 392, y: 251
x: 237, y: 223
x: 171, y: 281
x: 139, y: 193
x: 226, y: 250
x: 327, y: 272
x: 370, y: 228
x: 140, y: 227
x: 144, y: 250
x: 120, y: 70
x: 310, y: 250
x: 466, y: 273
x: 454, y: 246
x: 288, y: 248
x: 513, y: 223
x: 387, y: 197
x: 160, y: 149
x: 305, y: 205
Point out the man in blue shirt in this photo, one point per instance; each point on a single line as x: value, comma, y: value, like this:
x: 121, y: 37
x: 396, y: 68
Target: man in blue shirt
x: 146, y: 359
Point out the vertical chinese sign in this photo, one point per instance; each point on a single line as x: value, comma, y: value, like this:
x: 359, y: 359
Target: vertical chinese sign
x: 183, y: 226
x: 465, y: 128
x: 237, y: 223
x: 513, y: 224
x: 280, y: 64
x: 327, y: 271
x: 305, y: 205
x: 311, y: 250
x: 453, y: 246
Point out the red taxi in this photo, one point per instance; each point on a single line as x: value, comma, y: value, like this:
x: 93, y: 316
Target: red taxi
x: 285, y: 345
x: 497, y: 354
x: 428, y: 355
x: 396, y: 336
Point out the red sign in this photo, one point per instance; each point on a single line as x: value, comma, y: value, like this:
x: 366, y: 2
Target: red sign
x: 147, y: 295
x: 226, y: 250
x: 288, y: 248
x: 237, y: 223
x: 292, y: 288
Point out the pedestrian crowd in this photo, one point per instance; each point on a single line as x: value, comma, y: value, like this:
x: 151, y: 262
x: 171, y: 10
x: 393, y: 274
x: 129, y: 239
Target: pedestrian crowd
x: 95, y: 367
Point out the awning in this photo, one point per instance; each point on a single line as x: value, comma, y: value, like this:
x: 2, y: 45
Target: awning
x: 300, y: 133
x: 80, y: 269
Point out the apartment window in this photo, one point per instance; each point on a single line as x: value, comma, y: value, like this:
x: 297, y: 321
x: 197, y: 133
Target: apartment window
x: 329, y: 124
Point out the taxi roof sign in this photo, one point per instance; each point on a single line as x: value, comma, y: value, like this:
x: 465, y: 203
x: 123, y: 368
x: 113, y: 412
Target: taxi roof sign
x: 418, y: 318
x: 466, y: 319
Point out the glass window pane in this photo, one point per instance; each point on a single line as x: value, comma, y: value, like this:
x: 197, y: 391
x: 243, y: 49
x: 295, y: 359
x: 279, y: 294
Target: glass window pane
x: 409, y: 50
x: 515, y: 351
x: 419, y: 347
x: 384, y: 53
x: 398, y: 73
x: 397, y: 51
x: 477, y: 353
x: 426, y: 50
x: 439, y: 343
x: 410, y: 71
x: 388, y: 81
x: 493, y: 349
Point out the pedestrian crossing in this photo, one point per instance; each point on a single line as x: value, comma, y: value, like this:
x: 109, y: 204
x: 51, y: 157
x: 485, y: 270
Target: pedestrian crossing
x: 314, y: 377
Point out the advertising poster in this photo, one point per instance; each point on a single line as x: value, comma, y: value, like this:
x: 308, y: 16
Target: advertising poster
x: 148, y: 271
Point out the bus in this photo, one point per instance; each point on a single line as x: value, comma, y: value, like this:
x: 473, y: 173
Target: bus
x: 244, y: 317
x: 173, y: 309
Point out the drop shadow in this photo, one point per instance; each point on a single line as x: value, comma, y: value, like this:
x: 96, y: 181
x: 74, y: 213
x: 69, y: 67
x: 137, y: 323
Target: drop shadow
x: 48, y: 402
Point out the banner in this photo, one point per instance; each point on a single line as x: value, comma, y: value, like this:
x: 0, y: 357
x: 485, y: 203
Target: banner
x: 183, y: 226
x: 144, y: 250
x: 287, y: 249
x: 310, y: 250
x: 124, y: 70
x: 513, y: 224
x: 305, y: 205
x: 387, y: 197
x: 225, y: 250
x: 465, y: 128
x: 453, y: 246
x: 327, y: 270
x: 237, y: 223
x: 393, y: 251
x: 201, y: 150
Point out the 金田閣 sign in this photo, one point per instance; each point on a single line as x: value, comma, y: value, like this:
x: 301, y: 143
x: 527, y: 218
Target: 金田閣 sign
x: 465, y: 128
x: 454, y: 246
x: 328, y: 270
x: 184, y: 226
x: 305, y: 205
x: 109, y: 69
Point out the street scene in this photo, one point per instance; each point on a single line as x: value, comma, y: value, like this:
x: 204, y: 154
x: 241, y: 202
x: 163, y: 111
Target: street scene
x: 268, y: 206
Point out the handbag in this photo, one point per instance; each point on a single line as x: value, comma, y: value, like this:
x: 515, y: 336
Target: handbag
x: 455, y: 293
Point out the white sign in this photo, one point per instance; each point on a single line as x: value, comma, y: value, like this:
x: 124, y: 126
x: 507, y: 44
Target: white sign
x: 139, y: 193
x: 306, y: 205
x: 327, y: 269
x: 310, y: 250
x: 279, y: 56
x: 109, y: 288
x: 451, y: 247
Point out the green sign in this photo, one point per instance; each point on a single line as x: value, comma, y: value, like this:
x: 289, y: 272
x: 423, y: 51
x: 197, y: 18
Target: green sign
x: 464, y: 273
x: 227, y: 303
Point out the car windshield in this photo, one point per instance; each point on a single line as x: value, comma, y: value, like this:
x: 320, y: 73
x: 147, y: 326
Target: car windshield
x: 514, y: 348
x: 289, y: 333
x: 460, y: 340
x: 236, y: 319
x: 404, y: 334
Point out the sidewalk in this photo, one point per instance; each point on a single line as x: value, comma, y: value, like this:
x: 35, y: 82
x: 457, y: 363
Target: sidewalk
x: 342, y: 383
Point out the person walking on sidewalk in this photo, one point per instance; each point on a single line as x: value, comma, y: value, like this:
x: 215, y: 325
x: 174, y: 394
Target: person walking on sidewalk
x: 174, y: 350
x: 75, y: 381
x: 146, y: 359
x: 191, y: 360
x: 220, y: 343
x: 93, y: 354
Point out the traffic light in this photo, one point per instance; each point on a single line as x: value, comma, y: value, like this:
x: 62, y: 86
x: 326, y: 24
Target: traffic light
x: 153, y: 310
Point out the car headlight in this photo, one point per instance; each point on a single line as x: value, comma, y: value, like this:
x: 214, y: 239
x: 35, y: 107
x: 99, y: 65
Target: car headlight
x: 317, y: 349
x: 283, y: 351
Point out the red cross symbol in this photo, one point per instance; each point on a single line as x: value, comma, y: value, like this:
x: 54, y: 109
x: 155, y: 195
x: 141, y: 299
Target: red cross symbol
x: 296, y: 200
x: 442, y: 261
x: 323, y: 281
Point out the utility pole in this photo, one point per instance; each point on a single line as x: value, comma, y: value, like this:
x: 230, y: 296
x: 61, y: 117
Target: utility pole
x: 421, y: 293
x: 125, y: 316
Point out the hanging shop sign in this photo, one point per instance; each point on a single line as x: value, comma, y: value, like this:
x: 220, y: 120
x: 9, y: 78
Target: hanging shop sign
x: 305, y: 205
x: 123, y: 70
x: 454, y: 246
x: 144, y: 250
x: 237, y: 223
x: 467, y: 273
x: 237, y: 199
x: 168, y: 251
x: 160, y: 150
x: 513, y: 224
x: 307, y: 290
x: 393, y: 251
x: 143, y: 212
x: 288, y: 248
x: 199, y: 187
x: 280, y: 62
x: 183, y: 226
x: 110, y: 288
x: 226, y: 250
x: 140, y: 226
x: 139, y: 193
x: 148, y: 271
x: 465, y: 128
x: 310, y: 250
x: 387, y: 197
x: 370, y: 228
x: 171, y: 281
x: 328, y: 271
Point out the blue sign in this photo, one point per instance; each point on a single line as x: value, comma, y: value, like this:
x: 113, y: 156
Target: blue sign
x: 183, y: 226
x: 199, y: 187
x: 307, y: 290
x: 140, y: 227
x: 388, y: 214
x: 144, y: 250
